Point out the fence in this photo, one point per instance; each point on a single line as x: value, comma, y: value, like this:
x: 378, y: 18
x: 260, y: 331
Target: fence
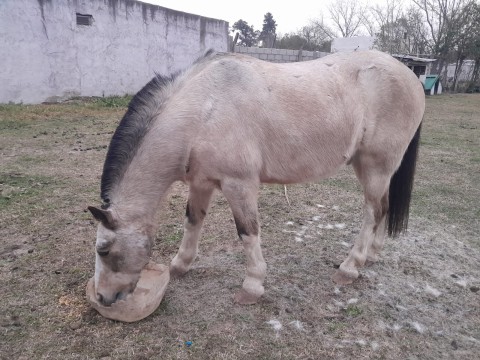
x: 280, y: 55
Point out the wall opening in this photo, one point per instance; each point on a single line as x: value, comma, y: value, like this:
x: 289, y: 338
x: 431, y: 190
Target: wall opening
x: 84, y: 19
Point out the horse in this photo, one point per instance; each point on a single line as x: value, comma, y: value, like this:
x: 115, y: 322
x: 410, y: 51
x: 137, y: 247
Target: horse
x: 232, y: 122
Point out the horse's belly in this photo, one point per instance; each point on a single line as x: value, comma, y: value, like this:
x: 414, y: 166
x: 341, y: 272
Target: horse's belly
x: 291, y: 172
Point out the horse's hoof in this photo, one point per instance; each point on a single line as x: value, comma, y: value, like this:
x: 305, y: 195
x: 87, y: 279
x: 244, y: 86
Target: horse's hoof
x: 371, y: 260
x: 342, y: 278
x: 244, y: 298
x: 176, y: 272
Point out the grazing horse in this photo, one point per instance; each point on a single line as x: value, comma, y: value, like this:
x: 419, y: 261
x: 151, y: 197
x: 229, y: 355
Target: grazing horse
x: 232, y: 122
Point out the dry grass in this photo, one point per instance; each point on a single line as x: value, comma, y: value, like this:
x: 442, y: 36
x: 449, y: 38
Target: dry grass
x: 51, y: 160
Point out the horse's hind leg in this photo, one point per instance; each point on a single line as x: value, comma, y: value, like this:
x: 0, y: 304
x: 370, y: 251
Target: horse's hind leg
x: 379, y: 238
x: 369, y: 242
x: 197, y: 206
x: 242, y: 197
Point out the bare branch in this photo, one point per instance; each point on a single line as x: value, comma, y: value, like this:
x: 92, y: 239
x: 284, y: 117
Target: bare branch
x: 347, y: 16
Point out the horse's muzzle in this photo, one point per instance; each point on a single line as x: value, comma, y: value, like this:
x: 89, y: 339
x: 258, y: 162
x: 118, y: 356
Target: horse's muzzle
x: 107, y: 301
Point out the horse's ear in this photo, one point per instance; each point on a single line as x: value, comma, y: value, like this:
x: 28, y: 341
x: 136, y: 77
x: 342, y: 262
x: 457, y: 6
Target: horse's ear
x: 104, y: 216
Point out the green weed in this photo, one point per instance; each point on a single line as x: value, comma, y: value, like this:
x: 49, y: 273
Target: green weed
x: 353, y: 310
x: 15, y: 188
x: 114, y: 101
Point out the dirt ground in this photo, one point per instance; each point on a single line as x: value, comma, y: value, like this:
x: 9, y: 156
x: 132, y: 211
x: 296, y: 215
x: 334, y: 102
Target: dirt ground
x: 420, y: 301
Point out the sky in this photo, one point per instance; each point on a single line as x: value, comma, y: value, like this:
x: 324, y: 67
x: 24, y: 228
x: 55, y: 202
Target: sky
x: 289, y: 15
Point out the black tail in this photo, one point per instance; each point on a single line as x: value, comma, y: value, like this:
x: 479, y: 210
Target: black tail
x: 400, y: 190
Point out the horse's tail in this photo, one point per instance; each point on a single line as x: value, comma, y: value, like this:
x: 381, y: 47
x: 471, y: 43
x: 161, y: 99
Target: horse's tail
x: 400, y: 190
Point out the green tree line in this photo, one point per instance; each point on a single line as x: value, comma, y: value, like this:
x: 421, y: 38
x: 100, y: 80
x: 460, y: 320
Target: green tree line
x: 447, y: 30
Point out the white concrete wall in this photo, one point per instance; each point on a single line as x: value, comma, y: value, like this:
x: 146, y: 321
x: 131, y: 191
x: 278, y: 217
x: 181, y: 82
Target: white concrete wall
x: 279, y: 55
x: 46, y: 56
x: 465, y: 71
x: 353, y: 43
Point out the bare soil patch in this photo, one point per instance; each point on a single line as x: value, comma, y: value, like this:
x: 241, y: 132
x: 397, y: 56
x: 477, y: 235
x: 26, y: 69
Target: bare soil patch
x: 420, y: 301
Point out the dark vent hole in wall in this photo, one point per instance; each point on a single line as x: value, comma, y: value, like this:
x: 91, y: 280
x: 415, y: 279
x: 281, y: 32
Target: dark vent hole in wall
x: 84, y: 19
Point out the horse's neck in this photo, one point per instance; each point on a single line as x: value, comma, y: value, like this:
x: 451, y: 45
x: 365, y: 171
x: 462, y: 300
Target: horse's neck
x: 139, y: 198
x: 157, y: 164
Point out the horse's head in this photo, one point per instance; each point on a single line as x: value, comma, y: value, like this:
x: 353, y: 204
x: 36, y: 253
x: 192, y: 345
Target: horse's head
x: 122, y: 251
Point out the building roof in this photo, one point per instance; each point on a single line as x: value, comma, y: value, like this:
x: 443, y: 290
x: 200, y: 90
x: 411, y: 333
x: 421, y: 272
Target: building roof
x: 430, y: 82
x: 413, y: 58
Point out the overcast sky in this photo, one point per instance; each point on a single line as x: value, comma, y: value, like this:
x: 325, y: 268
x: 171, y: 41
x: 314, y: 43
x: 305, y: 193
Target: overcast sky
x: 289, y: 15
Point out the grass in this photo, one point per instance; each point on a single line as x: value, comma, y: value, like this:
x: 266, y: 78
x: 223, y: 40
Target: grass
x: 52, y: 158
x: 450, y: 144
x: 174, y: 237
x: 353, y: 310
x: 114, y: 101
x: 21, y: 185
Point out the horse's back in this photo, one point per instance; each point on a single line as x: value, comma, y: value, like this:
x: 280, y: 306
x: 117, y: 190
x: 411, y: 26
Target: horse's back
x: 301, y: 121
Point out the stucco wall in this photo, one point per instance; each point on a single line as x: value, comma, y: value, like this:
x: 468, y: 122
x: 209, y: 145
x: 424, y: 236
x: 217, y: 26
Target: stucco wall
x: 465, y: 73
x: 353, y: 44
x: 280, y: 55
x: 46, y: 56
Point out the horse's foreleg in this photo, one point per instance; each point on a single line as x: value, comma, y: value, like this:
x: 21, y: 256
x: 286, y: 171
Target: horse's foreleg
x: 242, y: 198
x: 371, y: 237
x: 197, y: 207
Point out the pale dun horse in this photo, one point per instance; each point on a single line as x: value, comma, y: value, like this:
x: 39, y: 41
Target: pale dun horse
x: 232, y: 122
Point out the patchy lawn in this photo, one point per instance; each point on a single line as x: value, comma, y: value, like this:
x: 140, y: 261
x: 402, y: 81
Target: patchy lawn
x: 420, y: 301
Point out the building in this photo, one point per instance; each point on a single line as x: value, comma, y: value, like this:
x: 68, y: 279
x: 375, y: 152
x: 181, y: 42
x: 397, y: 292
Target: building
x: 353, y: 44
x: 432, y: 83
x: 56, y: 49
x: 420, y: 66
x: 464, y: 73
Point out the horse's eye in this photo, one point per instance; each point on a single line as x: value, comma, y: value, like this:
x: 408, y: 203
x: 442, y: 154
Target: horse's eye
x: 102, y: 253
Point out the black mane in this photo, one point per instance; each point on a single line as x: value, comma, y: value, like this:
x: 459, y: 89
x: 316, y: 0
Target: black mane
x: 130, y: 133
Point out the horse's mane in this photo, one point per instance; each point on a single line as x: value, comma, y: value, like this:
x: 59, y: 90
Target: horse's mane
x: 133, y: 127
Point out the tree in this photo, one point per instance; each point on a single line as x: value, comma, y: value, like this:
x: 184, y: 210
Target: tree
x: 467, y: 42
x: 292, y: 41
x: 475, y: 77
x: 443, y: 19
x: 315, y: 36
x: 388, y: 26
x: 348, y: 16
x: 389, y: 13
x: 269, y: 28
x: 297, y: 41
x: 318, y: 31
x: 417, y: 33
x: 269, y: 24
x: 393, y: 37
x: 247, y: 35
x: 399, y: 31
